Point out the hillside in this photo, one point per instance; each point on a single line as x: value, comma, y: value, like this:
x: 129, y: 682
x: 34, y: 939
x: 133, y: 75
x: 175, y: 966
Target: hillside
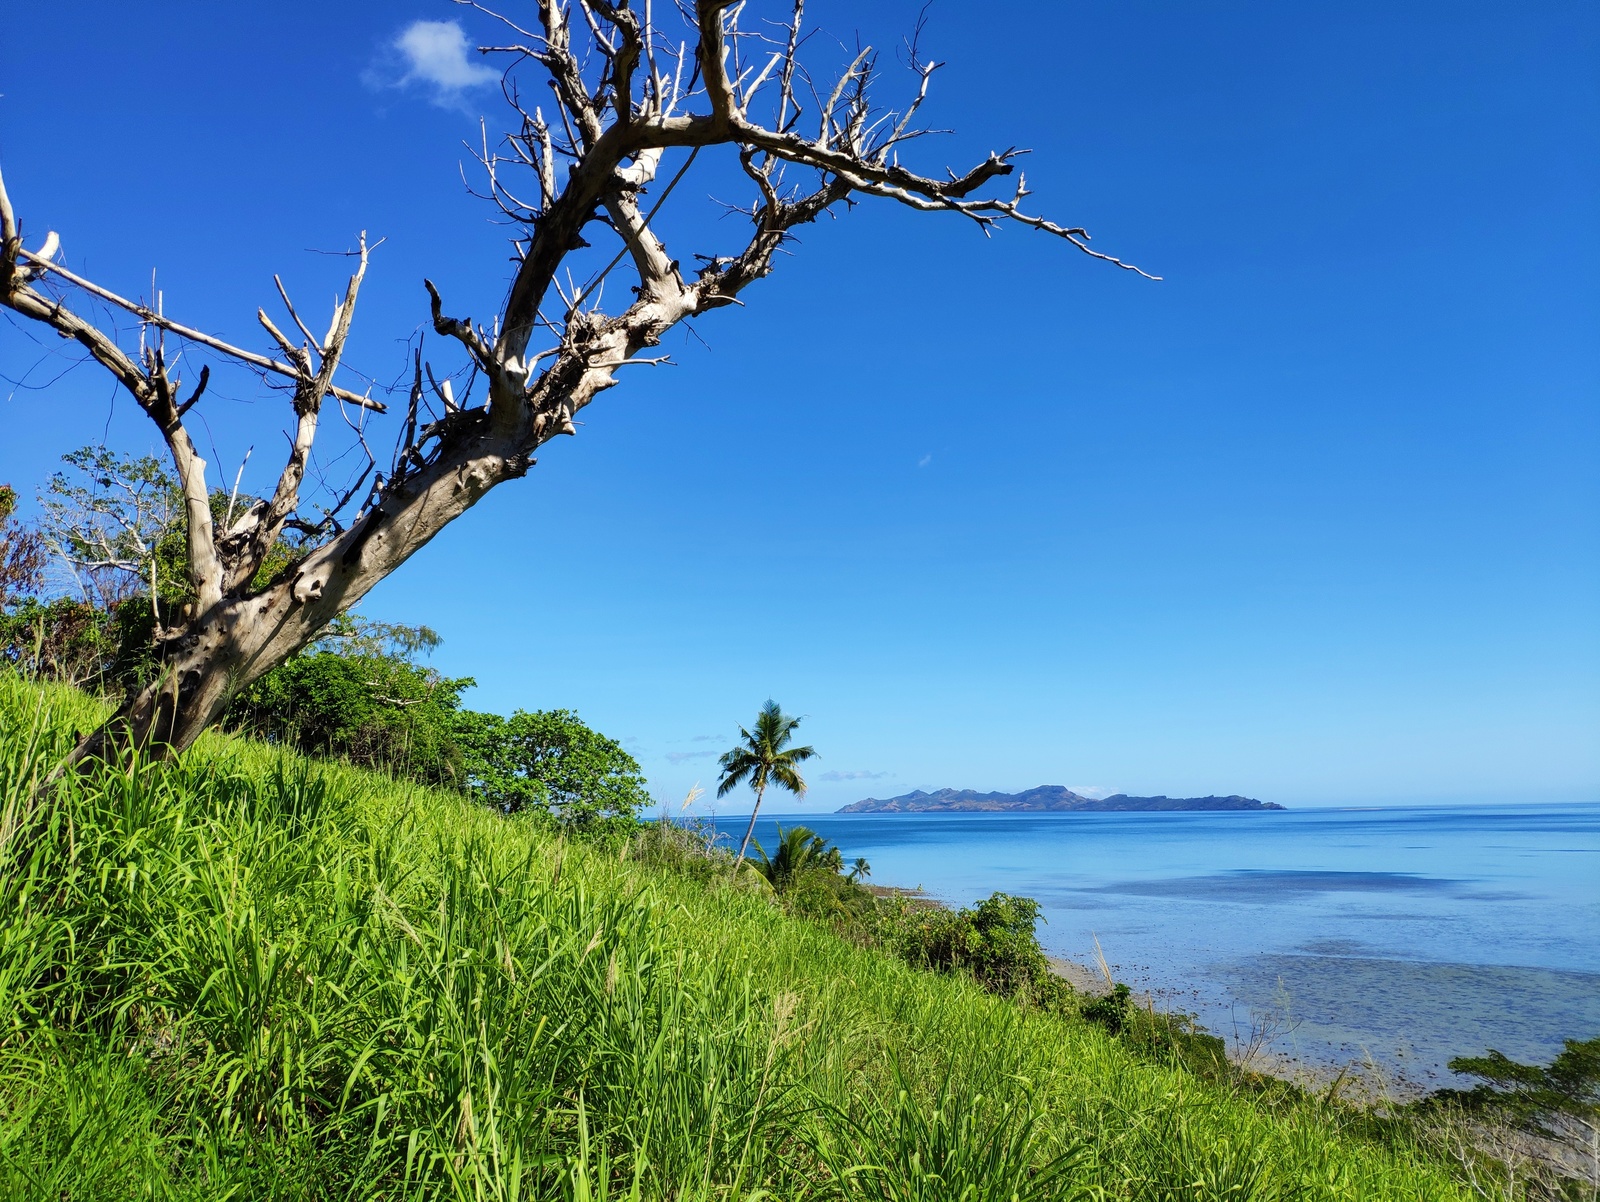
x: 1045, y: 798
x: 254, y: 976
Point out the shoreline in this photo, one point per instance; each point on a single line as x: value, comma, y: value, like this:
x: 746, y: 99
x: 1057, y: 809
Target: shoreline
x: 1365, y: 1082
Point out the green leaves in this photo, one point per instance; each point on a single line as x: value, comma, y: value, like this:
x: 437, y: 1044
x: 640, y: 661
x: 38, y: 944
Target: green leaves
x: 549, y: 761
x: 799, y: 850
x: 995, y: 942
x: 1534, y: 1093
x: 363, y: 704
x: 761, y: 758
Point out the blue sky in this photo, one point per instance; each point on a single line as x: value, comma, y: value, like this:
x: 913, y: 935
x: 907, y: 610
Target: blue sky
x: 1316, y: 518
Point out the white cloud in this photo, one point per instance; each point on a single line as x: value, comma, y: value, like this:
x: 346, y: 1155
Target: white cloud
x: 859, y: 775
x: 431, y: 55
x: 1091, y: 790
x: 925, y: 460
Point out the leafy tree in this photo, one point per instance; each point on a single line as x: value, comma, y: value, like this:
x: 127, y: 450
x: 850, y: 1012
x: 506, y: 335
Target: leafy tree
x: 116, y: 526
x: 104, y: 521
x: 549, y: 761
x: 60, y: 638
x: 762, y: 759
x: 1568, y: 1086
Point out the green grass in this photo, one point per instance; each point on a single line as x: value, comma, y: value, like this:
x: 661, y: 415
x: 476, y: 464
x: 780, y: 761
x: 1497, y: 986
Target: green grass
x: 254, y: 976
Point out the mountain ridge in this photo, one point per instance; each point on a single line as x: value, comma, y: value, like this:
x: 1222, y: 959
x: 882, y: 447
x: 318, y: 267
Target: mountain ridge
x: 1043, y: 799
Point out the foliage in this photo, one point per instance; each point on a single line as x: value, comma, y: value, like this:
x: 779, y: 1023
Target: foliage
x: 764, y: 757
x: 806, y: 873
x: 116, y: 525
x: 64, y: 639
x: 249, y: 975
x: 548, y: 761
x: 104, y: 520
x: 799, y: 850
x: 359, y: 694
x: 1165, y: 1035
x: 1569, y: 1085
x: 994, y: 942
x: 1113, y: 1010
x: 689, y: 848
x: 21, y: 553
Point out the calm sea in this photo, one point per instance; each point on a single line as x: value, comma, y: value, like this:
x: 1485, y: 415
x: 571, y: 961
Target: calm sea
x: 1403, y: 935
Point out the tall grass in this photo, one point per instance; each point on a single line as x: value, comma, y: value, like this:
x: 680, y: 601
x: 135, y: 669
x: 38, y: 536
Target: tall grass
x: 248, y: 975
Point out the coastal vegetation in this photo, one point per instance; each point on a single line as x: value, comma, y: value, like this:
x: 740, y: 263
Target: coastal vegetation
x: 245, y: 973
x: 260, y: 972
x: 763, y: 757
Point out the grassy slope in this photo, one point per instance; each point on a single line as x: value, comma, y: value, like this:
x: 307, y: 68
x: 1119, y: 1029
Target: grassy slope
x: 260, y: 975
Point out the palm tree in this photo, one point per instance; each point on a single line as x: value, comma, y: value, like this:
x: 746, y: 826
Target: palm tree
x: 800, y: 849
x: 761, y: 759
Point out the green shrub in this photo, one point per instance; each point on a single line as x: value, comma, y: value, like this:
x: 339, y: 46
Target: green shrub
x: 549, y: 762
x: 995, y: 942
x: 249, y: 975
x: 1533, y: 1094
x: 375, y: 711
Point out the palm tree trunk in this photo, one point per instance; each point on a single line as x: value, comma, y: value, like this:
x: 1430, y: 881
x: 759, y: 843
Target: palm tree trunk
x: 749, y: 830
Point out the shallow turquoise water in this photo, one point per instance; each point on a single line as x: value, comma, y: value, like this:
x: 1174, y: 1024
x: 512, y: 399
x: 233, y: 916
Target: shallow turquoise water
x: 1409, y: 935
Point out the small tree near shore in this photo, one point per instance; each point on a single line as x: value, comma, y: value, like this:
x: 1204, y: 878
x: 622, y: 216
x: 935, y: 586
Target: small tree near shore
x: 764, y: 757
x: 627, y: 89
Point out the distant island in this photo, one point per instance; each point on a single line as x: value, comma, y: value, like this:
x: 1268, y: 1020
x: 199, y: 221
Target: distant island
x: 1046, y: 798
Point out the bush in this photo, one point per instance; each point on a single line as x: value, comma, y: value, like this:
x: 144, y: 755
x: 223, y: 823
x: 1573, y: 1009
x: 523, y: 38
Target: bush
x: 549, y: 762
x: 1533, y: 1094
x: 375, y: 711
x: 994, y: 942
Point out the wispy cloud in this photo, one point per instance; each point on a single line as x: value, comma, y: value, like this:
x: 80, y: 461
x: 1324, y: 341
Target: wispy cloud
x: 835, y: 777
x: 683, y: 757
x: 1091, y: 790
x: 925, y: 460
x: 431, y: 55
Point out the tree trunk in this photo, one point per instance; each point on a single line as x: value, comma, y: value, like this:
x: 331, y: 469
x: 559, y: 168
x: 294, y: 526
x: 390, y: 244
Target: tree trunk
x: 208, y: 661
x: 749, y: 830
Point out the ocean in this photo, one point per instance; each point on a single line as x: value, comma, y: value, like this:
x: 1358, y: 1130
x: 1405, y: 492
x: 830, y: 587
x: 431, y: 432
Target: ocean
x: 1393, y: 938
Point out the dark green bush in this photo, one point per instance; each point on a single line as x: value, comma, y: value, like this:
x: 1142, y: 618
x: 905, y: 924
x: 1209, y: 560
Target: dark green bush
x: 549, y: 761
x: 376, y: 711
x: 1533, y: 1094
x: 994, y: 942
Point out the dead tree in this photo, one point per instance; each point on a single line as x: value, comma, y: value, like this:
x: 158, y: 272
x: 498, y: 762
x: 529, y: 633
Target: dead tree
x: 626, y: 92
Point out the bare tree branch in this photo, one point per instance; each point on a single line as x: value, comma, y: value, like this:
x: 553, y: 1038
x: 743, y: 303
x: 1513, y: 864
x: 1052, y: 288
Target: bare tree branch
x: 161, y: 322
x: 624, y: 94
